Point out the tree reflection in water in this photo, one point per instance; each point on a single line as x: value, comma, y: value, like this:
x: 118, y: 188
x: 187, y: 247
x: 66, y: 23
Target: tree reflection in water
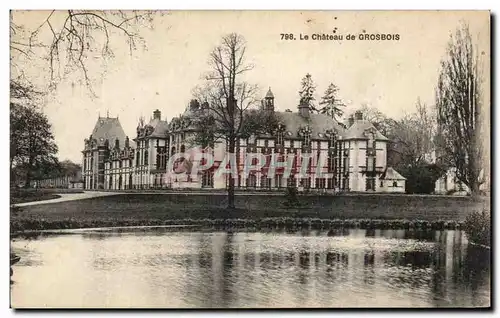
x: 339, y: 267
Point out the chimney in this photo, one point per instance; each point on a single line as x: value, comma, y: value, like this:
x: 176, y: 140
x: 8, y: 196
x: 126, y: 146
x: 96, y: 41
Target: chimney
x: 351, y: 120
x: 194, y: 104
x: 157, y: 114
x: 303, y: 109
x: 358, y: 115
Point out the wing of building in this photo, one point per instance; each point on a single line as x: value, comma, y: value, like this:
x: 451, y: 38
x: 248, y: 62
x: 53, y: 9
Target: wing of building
x: 355, y: 155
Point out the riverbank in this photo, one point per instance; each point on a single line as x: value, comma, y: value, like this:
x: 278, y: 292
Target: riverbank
x: 259, y: 210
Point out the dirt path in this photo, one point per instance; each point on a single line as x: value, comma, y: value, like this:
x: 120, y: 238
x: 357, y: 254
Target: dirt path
x: 69, y: 197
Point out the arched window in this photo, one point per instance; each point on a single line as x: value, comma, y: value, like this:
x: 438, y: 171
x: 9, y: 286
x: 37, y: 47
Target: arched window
x: 137, y: 159
x: 172, y: 151
x: 183, y: 148
x: 146, y: 157
x: 395, y: 184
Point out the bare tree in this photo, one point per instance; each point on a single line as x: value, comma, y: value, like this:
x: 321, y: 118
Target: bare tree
x: 225, y: 99
x: 67, y: 39
x: 383, y: 123
x: 414, y: 135
x: 458, y: 102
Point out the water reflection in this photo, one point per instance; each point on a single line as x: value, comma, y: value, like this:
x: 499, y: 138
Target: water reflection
x: 341, y: 267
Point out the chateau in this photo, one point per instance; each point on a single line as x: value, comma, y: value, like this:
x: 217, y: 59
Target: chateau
x: 356, y: 154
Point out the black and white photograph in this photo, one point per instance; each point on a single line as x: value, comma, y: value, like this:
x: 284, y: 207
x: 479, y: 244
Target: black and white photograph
x: 250, y: 159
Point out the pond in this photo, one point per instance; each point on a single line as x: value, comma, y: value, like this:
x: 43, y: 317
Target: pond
x: 336, y: 268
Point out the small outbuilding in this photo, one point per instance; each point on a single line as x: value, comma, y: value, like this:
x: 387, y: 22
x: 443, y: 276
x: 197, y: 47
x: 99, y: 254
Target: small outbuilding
x: 392, y: 181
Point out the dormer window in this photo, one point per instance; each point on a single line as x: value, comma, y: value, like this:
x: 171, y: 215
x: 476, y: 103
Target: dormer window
x: 307, y: 139
x: 280, y: 132
x: 305, y: 132
x: 332, y: 140
x: 251, y: 140
x: 279, y: 138
x: 371, y: 141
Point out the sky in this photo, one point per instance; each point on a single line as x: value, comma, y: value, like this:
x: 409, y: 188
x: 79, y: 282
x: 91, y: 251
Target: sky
x: 387, y: 75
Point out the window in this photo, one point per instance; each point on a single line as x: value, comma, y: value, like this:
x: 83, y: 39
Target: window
x: 251, y: 181
x: 307, y: 140
x: 291, y: 182
x: 381, y: 183
x: 370, y: 164
x: 183, y: 148
x: 371, y: 141
x: 395, y: 184
x: 330, y: 183
x: 320, y: 183
x: 279, y: 138
x: 265, y: 182
x: 370, y: 184
x: 345, y: 183
x: 278, y: 180
x: 306, y: 183
x: 146, y: 157
x: 137, y: 159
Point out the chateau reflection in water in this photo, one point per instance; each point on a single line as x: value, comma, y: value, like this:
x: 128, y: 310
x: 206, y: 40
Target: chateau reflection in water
x: 342, y: 267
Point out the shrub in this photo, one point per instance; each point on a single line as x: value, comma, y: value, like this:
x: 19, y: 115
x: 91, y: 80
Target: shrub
x: 421, y: 178
x: 477, y: 227
x: 291, y: 197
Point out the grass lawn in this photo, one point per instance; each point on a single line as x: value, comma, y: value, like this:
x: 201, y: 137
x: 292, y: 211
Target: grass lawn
x: 30, y: 195
x: 160, y: 209
x: 33, y: 196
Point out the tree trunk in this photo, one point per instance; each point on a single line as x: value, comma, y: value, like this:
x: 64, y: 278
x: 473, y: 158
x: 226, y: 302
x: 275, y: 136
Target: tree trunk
x: 474, y: 188
x: 28, y: 178
x: 12, y: 175
x: 28, y: 173
x: 230, y: 189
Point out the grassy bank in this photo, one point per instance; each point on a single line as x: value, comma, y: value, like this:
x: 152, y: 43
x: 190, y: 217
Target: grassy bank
x: 364, y: 211
x: 19, y: 225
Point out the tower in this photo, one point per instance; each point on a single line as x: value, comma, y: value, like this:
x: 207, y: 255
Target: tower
x: 269, y: 100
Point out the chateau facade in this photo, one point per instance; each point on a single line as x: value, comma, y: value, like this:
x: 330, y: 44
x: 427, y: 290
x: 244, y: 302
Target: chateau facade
x: 356, y: 154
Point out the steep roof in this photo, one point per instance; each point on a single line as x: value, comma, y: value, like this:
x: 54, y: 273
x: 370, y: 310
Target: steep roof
x: 269, y: 93
x: 391, y: 174
x: 318, y: 123
x: 110, y: 129
x: 358, y: 129
x: 160, y: 129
